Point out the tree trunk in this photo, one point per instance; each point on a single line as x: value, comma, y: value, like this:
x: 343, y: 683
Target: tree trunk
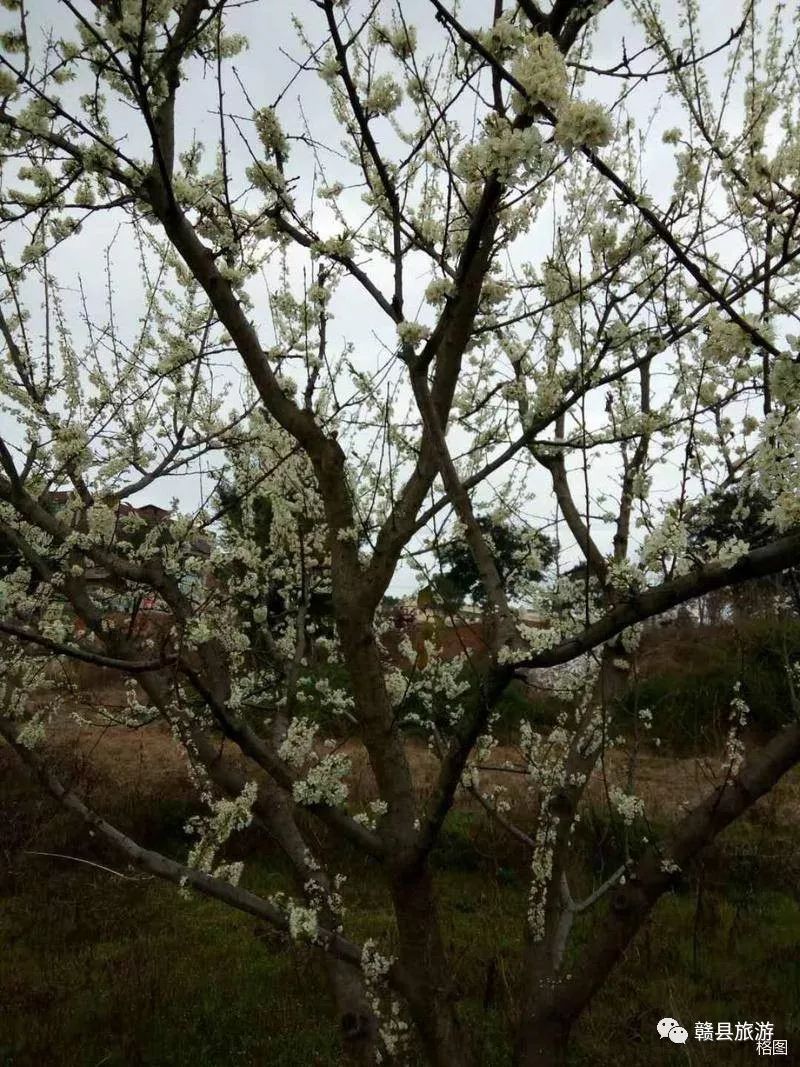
x: 422, y: 955
x: 542, y: 1041
x: 358, y: 1025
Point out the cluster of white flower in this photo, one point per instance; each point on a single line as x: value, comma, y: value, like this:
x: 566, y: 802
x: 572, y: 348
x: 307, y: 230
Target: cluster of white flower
x: 411, y: 333
x: 324, y: 783
x: 725, y: 341
x: 85, y: 194
x: 71, y: 447
x: 541, y: 873
x: 377, y: 809
x: 338, y: 247
x: 8, y: 83
x: 776, y: 466
x: 583, y: 122
x: 230, y: 872
x: 727, y: 552
x: 303, y: 923
x: 297, y: 745
x: 269, y: 131
x: 400, y: 37
x: 384, y: 96
x: 393, y: 1030
x: 485, y: 746
x: 335, y: 700
x: 666, y: 542
x: 738, y: 718
x: 330, y: 192
x: 135, y: 711
x: 319, y: 295
x: 374, y: 966
x: 266, y: 177
x: 329, y: 68
x: 397, y: 685
x: 546, y: 758
x: 101, y: 522
x: 32, y: 732
x: 470, y: 777
x: 35, y: 250
x: 785, y: 381
x: 438, y: 684
x: 497, y: 796
x: 227, y: 816
x: 493, y: 291
x: 503, y: 149
x: 439, y: 290
x: 625, y: 576
x: 56, y: 622
x: 626, y: 805
x: 503, y: 38
x: 541, y: 71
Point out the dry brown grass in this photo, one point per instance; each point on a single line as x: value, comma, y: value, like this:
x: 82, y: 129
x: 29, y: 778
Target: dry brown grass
x: 110, y: 762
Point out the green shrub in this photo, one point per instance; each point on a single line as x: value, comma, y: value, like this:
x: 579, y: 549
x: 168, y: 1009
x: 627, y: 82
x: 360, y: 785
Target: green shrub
x: 690, y: 700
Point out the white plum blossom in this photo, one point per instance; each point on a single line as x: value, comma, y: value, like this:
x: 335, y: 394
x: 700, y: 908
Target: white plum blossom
x: 269, y: 130
x: 324, y: 782
x: 8, y: 83
x: 785, y: 381
x: 411, y: 333
x: 438, y: 290
x: 32, y: 733
x: 583, y: 122
x: 303, y: 922
x: 329, y: 68
x: 503, y: 149
x: 71, y: 447
x: 227, y: 816
x: 377, y: 809
x: 540, y: 69
x: 297, y: 746
x: 503, y: 38
x: 738, y: 720
x: 400, y: 37
x: 384, y: 96
x: 626, y: 805
x: 392, y: 1027
x: 668, y: 542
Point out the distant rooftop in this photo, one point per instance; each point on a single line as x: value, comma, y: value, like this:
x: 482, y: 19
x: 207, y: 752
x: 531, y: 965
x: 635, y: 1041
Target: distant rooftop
x: 152, y: 514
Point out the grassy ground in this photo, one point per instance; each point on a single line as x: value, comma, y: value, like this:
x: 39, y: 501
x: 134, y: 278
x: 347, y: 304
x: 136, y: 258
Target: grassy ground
x: 97, y: 969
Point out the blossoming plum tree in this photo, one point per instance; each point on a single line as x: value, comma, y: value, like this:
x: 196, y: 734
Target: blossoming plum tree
x: 561, y: 315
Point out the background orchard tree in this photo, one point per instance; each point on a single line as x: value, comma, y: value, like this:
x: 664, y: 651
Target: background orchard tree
x: 520, y: 555
x: 421, y: 259
x: 742, y: 512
